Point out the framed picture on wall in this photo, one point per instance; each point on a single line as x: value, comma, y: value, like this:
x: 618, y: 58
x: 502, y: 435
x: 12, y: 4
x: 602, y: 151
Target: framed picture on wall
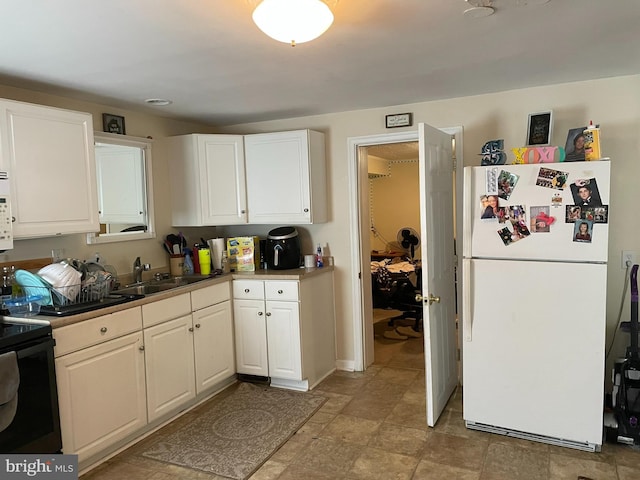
x: 539, y: 128
x: 113, y: 124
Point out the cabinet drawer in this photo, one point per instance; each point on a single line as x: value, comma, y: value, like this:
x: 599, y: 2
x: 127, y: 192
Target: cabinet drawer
x: 205, y: 297
x: 167, y: 309
x: 248, y: 289
x: 286, y: 290
x: 96, y: 330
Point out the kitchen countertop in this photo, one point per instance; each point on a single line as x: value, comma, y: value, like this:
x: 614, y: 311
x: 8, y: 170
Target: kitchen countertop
x: 293, y: 274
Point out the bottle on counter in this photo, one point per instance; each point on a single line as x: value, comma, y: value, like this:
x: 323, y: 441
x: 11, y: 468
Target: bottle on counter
x: 187, y: 268
x: 6, y: 290
x: 319, y: 262
x: 225, y: 262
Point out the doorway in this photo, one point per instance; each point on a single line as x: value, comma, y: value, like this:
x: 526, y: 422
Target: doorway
x: 360, y: 228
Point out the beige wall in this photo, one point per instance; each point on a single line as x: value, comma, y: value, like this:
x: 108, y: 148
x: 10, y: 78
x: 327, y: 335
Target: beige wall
x: 394, y: 203
x: 614, y: 103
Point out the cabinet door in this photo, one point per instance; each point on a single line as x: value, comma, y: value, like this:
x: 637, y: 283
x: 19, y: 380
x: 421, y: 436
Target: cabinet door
x: 207, y: 180
x: 278, y: 177
x: 49, y: 153
x: 169, y: 365
x: 213, y: 344
x: 251, y: 337
x: 222, y: 179
x: 101, y: 393
x: 121, y: 184
x: 283, y: 338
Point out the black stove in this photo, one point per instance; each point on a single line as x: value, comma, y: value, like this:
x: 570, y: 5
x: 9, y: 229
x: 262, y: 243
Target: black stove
x: 16, y: 333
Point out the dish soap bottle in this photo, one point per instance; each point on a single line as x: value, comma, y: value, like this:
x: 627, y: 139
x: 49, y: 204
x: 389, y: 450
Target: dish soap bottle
x: 187, y: 269
x: 319, y: 262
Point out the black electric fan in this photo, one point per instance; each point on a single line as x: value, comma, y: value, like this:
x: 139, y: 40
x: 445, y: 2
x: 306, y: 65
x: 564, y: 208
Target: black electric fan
x: 409, y: 240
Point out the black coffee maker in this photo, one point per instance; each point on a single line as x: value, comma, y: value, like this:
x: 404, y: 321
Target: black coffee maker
x: 283, y: 249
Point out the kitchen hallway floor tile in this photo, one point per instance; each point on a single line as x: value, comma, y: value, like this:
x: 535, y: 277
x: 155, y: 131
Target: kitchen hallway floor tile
x: 373, y: 426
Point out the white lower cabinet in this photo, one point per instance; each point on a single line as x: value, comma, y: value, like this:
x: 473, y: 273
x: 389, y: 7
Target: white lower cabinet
x: 101, y: 388
x: 169, y: 366
x: 284, y: 331
x: 188, y: 347
x: 122, y: 374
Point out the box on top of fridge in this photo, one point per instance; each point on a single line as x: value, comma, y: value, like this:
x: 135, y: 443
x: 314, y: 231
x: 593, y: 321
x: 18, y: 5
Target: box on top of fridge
x: 243, y: 253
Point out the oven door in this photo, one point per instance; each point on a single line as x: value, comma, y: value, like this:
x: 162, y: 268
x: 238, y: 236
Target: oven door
x: 36, y: 425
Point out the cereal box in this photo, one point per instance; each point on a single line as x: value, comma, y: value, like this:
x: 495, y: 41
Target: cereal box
x: 243, y: 253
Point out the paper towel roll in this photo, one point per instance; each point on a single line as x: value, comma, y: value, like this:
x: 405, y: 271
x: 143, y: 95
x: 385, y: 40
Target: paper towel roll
x: 216, y: 245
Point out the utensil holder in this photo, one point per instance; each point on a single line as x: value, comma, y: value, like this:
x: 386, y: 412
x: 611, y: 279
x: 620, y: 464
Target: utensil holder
x: 176, y: 265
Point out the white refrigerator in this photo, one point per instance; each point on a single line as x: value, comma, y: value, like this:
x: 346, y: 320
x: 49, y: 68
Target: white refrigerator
x: 534, y: 301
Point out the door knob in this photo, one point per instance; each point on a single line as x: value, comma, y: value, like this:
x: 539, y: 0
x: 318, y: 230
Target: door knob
x: 430, y: 300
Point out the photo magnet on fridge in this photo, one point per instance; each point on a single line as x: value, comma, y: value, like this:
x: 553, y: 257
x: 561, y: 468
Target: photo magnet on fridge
x: 585, y: 192
x: 596, y: 214
x: 573, y: 214
x: 541, y: 221
x: 492, y: 181
x: 582, y: 231
x: 505, y: 235
x: 506, y: 183
x: 549, y: 178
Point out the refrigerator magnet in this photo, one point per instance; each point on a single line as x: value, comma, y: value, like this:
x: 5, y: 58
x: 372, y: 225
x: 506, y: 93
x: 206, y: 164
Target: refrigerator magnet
x: 585, y: 193
x: 550, y: 178
x: 506, y: 183
x: 492, y: 181
x: 583, y: 231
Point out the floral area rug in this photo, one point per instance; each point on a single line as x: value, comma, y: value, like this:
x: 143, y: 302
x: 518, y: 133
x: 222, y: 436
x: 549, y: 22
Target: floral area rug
x: 236, y: 436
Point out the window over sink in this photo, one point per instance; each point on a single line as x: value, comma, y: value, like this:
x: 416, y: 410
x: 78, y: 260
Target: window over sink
x: 125, y: 200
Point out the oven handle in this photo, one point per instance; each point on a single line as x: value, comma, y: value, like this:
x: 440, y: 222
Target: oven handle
x: 36, y: 348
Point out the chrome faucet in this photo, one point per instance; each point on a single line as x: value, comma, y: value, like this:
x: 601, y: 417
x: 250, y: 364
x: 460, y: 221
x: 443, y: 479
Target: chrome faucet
x: 138, y: 268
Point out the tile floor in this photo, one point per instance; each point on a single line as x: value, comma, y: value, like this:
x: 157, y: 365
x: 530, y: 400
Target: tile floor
x: 373, y: 427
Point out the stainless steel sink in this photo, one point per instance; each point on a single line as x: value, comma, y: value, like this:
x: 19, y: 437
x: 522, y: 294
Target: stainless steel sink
x: 155, y: 286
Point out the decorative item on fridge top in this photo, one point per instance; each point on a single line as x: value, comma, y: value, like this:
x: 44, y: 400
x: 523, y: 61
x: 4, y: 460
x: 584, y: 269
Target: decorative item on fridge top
x: 539, y: 128
x: 592, y: 142
x: 574, y: 148
x: 493, y: 153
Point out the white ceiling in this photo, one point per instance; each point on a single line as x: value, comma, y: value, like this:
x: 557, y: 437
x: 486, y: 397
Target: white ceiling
x: 209, y: 58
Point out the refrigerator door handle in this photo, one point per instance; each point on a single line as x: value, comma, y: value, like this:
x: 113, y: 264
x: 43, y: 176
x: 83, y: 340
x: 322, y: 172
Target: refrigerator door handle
x: 467, y: 322
x: 467, y: 212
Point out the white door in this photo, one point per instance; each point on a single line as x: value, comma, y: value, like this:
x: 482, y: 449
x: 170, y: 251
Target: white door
x: 438, y: 290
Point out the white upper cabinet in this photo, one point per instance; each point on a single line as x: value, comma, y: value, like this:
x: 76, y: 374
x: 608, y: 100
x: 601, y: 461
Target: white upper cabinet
x: 49, y: 155
x: 286, y: 177
x: 207, y: 180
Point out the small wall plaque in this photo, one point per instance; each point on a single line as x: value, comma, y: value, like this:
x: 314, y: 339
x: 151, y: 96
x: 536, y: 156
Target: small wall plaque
x: 398, y: 120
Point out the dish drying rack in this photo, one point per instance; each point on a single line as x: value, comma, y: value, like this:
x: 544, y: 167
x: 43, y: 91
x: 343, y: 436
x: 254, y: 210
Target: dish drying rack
x: 71, y: 294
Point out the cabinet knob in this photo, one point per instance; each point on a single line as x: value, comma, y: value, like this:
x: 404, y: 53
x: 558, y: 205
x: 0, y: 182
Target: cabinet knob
x: 191, y: 329
x: 259, y: 314
x: 268, y: 314
x: 280, y: 292
x: 103, y: 330
x: 243, y: 211
x: 306, y: 210
x: 246, y: 290
x: 141, y: 348
x: 197, y: 325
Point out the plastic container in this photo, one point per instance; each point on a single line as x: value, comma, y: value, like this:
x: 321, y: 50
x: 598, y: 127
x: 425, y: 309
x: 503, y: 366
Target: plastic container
x: 24, y: 306
x: 592, y: 143
x: 319, y: 262
x: 204, y: 257
x: 187, y: 269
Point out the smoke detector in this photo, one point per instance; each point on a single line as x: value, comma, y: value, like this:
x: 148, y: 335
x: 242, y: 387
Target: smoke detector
x: 479, y: 9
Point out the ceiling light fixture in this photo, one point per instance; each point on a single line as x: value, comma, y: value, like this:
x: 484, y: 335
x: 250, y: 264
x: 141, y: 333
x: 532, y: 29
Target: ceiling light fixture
x: 479, y: 9
x: 293, y: 21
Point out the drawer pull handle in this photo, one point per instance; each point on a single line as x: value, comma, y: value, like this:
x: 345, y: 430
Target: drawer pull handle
x: 280, y: 292
x: 197, y: 325
x: 141, y: 348
x: 103, y: 330
x: 246, y: 290
x: 268, y: 314
x: 259, y: 314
